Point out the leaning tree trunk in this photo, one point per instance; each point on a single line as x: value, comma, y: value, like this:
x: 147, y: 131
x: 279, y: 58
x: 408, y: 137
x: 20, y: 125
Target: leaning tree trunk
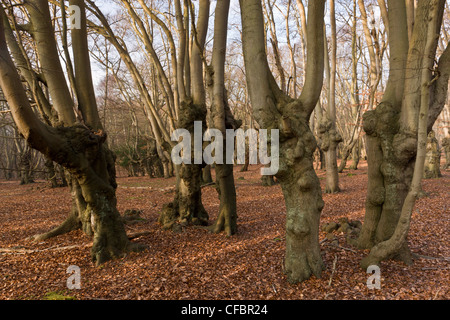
x: 345, y: 154
x: 206, y: 175
x: 350, y: 150
x: 247, y: 158
x: 51, y: 172
x: 93, y: 189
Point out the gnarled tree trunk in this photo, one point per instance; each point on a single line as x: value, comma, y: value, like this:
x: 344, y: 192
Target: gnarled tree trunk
x: 275, y: 110
x: 394, y: 127
x: 80, y: 147
x: 187, y: 207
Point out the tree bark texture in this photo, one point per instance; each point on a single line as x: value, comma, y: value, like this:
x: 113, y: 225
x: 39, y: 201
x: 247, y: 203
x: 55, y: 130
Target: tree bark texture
x: 394, y: 128
x: 81, y: 150
x: 275, y: 110
x: 433, y: 158
x: 187, y: 207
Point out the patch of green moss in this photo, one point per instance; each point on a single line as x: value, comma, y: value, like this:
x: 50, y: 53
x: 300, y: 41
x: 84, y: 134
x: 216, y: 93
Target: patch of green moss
x: 57, y: 296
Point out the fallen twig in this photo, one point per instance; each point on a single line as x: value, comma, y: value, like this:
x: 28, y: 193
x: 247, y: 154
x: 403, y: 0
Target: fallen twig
x: 124, y: 187
x: 135, y: 235
x: 431, y: 258
x: 333, y: 270
x: 28, y: 251
x: 437, y: 292
x: 208, y: 184
x: 340, y: 247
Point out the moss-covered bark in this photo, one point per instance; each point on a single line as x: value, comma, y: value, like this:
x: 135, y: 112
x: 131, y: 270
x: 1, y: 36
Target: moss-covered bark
x: 78, y: 145
x: 25, y: 170
x: 391, y: 157
x: 275, y: 110
x: 329, y: 140
x: 433, y: 158
x: 303, y: 198
x: 227, y: 219
x: 187, y: 207
x: 446, y: 147
x: 356, y: 155
x: 91, y: 166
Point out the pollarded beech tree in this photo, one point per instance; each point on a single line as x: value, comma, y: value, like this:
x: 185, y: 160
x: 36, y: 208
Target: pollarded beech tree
x: 392, y: 129
x: 182, y: 87
x: 72, y: 134
x: 274, y: 109
x: 186, y: 93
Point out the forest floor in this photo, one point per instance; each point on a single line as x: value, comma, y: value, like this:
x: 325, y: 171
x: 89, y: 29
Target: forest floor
x: 197, y: 265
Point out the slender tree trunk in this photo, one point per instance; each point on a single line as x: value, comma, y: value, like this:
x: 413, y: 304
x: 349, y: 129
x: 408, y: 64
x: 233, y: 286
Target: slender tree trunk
x: 329, y: 140
x: 222, y: 119
x: 348, y: 151
x: 354, y: 98
x: 247, y: 158
x: 374, y: 68
x: 356, y: 155
x: 274, y: 41
x: 432, y: 158
x: 329, y: 134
